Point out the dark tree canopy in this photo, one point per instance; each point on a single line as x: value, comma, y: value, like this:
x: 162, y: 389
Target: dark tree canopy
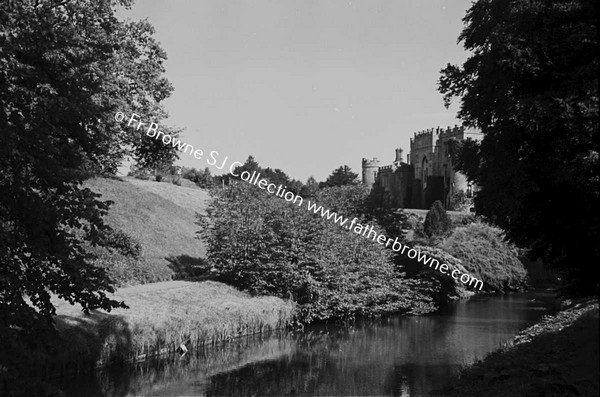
x: 65, y: 69
x: 202, y: 178
x: 437, y: 222
x: 275, y: 176
x: 310, y: 188
x: 340, y: 177
x: 249, y: 165
x: 531, y: 85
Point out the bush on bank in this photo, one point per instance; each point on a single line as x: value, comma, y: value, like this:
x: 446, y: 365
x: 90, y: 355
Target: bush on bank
x: 486, y: 255
x: 126, y: 271
x: 262, y: 244
x: 437, y: 222
x: 442, y: 287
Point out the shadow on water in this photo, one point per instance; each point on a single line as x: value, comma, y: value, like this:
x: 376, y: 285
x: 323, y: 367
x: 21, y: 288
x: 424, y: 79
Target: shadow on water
x: 97, y: 339
x: 396, y: 355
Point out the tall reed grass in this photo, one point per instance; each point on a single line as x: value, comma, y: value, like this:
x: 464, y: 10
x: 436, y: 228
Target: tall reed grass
x: 161, y: 317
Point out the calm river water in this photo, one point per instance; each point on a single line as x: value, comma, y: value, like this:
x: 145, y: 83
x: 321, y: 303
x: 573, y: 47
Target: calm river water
x: 397, y: 356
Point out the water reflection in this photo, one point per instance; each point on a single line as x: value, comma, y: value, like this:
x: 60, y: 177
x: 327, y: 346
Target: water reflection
x: 399, y: 356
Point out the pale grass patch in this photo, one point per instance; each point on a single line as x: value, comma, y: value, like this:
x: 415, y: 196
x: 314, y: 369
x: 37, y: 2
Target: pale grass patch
x: 164, y: 315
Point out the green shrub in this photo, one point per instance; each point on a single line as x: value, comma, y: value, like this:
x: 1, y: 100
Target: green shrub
x: 126, y: 271
x: 487, y: 256
x: 460, y: 201
x: 123, y: 243
x: 186, y: 267
x: 265, y: 245
x: 463, y: 220
x: 140, y: 174
x: 442, y: 287
x: 437, y: 223
x: 202, y: 178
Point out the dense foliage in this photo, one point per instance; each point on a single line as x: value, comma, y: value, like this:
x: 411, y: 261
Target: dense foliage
x: 341, y: 176
x: 437, y: 222
x: 66, y: 68
x: 531, y: 86
x: 436, y: 284
x: 202, y: 178
x: 379, y: 206
x: 263, y: 244
x: 486, y: 255
x: 276, y: 176
x: 125, y: 270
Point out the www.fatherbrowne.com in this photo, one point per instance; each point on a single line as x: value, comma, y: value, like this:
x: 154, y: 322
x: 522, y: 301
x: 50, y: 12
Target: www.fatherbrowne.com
x: 280, y: 191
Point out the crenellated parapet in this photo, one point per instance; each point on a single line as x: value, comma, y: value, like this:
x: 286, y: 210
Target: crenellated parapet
x: 386, y: 169
x: 369, y: 170
x: 374, y: 162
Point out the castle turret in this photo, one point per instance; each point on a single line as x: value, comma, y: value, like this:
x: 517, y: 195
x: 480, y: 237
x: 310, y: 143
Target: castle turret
x: 369, y: 171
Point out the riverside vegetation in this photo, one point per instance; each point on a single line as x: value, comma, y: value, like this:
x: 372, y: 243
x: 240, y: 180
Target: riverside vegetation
x: 538, y: 113
x: 293, y: 266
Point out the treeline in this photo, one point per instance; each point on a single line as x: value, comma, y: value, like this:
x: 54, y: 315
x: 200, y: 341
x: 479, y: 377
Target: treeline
x: 341, y: 176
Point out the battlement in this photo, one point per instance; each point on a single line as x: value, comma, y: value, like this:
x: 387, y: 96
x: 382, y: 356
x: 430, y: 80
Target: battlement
x: 374, y: 162
x: 453, y: 131
x: 422, y: 138
x: 437, y: 131
x: 432, y: 136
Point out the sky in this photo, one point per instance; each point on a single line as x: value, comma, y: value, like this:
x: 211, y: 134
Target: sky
x: 305, y: 85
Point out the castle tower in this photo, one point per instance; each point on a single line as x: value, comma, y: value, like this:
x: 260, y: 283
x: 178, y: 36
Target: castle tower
x: 369, y: 171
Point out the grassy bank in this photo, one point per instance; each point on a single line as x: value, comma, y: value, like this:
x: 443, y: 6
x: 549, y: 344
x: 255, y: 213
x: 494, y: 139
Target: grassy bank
x: 556, y: 357
x: 161, y: 217
x: 161, y: 317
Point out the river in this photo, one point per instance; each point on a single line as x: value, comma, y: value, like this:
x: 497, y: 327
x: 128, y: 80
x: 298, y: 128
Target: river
x: 396, y: 356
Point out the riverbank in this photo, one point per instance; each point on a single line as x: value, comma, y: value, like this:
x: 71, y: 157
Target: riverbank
x: 162, y: 316
x: 558, y: 356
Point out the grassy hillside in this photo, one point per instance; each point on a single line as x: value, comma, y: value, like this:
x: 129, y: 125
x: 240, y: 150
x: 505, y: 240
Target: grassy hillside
x: 161, y: 216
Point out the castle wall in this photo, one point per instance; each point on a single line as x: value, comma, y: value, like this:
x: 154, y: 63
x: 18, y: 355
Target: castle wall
x: 398, y: 181
x: 430, y: 176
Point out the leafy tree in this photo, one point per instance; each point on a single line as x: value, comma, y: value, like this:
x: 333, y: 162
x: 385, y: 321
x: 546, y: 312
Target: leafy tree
x: 380, y: 207
x: 487, y: 256
x: 295, y: 186
x: 250, y: 165
x: 276, y: 176
x: 66, y: 68
x: 203, y: 179
x: 340, y: 177
x: 437, y: 222
x: 347, y: 199
x: 460, y: 201
x: 310, y: 188
x: 531, y: 86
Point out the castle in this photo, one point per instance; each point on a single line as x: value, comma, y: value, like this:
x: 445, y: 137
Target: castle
x: 427, y: 175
